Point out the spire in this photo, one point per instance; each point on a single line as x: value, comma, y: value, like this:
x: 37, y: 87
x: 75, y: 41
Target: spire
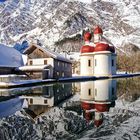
x: 87, y: 36
x: 98, y: 30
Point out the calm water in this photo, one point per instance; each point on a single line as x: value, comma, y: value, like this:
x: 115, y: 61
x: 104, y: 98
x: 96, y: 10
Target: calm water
x: 102, y: 109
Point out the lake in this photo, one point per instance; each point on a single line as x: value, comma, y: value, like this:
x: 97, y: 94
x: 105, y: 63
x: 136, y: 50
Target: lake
x: 101, y: 109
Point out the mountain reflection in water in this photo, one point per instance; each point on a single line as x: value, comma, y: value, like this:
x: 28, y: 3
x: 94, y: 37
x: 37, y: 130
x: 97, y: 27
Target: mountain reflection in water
x: 102, y: 109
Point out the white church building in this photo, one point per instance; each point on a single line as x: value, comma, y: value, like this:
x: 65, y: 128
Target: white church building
x: 97, y: 58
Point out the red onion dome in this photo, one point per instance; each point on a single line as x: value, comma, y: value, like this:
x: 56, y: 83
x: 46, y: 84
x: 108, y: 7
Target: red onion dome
x: 102, y: 107
x: 88, y: 116
x: 87, y: 36
x: 98, y: 30
x: 97, y: 123
x: 87, y: 106
x: 87, y: 49
x: 101, y: 47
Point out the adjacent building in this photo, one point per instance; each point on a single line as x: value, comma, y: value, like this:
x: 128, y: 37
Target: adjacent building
x: 43, y: 63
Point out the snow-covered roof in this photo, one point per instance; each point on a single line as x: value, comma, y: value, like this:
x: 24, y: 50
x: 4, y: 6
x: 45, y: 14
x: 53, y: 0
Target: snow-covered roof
x: 47, y: 51
x: 33, y: 68
x: 10, y: 57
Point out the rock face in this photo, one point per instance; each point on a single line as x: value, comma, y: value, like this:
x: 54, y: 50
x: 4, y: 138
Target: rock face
x: 57, y: 22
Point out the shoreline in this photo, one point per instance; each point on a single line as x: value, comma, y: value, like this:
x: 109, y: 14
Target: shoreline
x: 29, y: 83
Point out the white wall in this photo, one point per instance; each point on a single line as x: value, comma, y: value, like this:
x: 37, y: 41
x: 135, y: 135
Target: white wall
x: 40, y: 61
x: 105, y: 90
x: 84, y: 94
x: 39, y: 100
x: 114, y: 68
x: 103, y: 64
x: 86, y: 70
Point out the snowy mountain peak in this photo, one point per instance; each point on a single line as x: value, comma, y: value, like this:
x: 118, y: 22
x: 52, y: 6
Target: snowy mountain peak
x: 60, y: 21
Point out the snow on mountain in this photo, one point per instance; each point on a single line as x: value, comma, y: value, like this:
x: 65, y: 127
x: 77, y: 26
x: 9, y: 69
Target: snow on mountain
x: 60, y: 22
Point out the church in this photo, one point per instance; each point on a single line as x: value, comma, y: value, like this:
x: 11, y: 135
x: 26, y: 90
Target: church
x: 97, y: 58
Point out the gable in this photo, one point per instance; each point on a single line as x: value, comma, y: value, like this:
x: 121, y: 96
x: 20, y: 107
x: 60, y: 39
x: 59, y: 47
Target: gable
x: 36, y: 52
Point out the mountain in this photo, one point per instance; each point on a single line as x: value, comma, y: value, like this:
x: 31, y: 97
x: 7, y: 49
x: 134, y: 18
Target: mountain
x: 58, y: 24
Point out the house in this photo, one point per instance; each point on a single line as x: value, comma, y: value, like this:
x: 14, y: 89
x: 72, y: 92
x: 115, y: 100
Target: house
x: 43, y: 63
x: 97, y: 58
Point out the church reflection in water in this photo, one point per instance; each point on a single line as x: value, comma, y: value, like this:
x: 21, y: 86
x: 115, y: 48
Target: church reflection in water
x: 97, y: 97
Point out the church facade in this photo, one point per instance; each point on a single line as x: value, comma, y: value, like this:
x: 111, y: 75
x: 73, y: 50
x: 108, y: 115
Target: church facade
x: 97, y: 58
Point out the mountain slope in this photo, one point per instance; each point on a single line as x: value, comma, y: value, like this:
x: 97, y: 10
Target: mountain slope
x: 57, y: 22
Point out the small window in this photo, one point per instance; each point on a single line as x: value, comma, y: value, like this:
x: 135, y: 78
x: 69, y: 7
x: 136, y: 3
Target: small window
x: 95, y: 92
x: 45, y: 101
x: 31, y: 62
x: 112, y: 62
x: 89, y: 92
x: 63, y: 74
x: 31, y: 101
x: 95, y: 62
x: 45, y: 61
x: 57, y: 73
x: 113, y: 91
x: 89, y: 63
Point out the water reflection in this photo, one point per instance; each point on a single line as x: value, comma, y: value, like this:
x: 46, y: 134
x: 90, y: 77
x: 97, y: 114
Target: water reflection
x: 38, y: 100
x: 93, y: 109
x: 96, y: 98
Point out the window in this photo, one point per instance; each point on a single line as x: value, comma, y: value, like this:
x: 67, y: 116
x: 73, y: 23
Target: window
x: 45, y: 101
x: 58, y: 63
x: 31, y: 62
x: 57, y: 73
x: 95, y: 62
x: 112, y: 62
x: 89, y: 92
x: 95, y: 92
x: 89, y: 63
x: 113, y: 91
x: 45, y: 61
x: 63, y: 74
x: 31, y: 101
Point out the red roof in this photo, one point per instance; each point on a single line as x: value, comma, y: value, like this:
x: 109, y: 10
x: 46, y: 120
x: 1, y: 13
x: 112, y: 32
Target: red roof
x: 98, y: 30
x: 87, y: 49
x: 98, y: 48
x: 87, y: 36
x: 101, y: 47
